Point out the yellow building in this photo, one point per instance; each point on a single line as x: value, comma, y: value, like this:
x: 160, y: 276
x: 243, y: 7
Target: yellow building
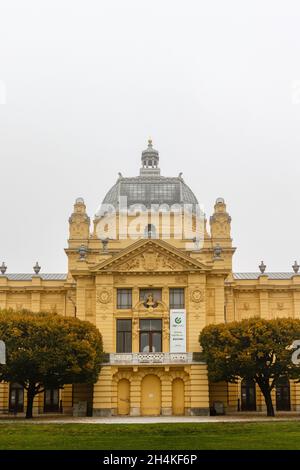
x: 150, y: 283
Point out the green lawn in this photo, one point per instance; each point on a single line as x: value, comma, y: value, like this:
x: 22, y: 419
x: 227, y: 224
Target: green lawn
x: 274, y: 435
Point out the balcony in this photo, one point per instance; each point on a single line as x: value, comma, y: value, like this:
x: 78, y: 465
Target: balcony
x: 151, y: 358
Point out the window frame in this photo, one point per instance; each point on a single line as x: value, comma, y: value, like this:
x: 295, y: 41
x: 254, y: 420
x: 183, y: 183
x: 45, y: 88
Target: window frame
x: 123, y: 333
x: 150, y: 334
x: 172, y: 305
x: 128, y: 304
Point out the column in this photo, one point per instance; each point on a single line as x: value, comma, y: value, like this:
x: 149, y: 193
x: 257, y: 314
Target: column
x: 135, y: 396
x: 4, y: 389
x: 80, y: 299
x: 296, y: 399
x: 67, y: 399
x: 36, y: 301
x: 102, y: 399
x: 199, y: 390
x: 264, y: 304
x: 3, y: 300
x: 105, y: 320
x: 219, y: 301
x: 166, y: 395
x: 296, y: 301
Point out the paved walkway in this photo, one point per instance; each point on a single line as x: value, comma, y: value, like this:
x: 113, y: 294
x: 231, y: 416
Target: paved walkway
x: 232, y: 418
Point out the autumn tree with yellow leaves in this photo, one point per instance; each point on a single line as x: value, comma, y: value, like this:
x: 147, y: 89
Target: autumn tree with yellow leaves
x: 47, y: 350
x: 254, y: 349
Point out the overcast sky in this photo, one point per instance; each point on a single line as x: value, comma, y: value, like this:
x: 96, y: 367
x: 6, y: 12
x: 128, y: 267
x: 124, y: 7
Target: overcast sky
x: 216, y: 84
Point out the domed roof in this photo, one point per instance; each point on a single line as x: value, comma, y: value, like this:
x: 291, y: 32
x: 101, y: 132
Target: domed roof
x: 150, y: 187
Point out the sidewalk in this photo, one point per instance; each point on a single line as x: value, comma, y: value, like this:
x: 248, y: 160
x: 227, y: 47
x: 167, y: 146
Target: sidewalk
x: 232, y: 418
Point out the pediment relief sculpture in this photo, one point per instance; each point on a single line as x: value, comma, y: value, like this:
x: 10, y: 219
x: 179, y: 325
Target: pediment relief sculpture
x: 151, y: 260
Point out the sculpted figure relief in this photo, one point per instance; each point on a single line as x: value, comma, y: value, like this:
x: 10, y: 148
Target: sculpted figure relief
x: 150, y: 261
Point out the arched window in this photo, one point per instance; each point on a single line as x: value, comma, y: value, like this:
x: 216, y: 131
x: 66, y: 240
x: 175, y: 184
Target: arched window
x: 150, y: 231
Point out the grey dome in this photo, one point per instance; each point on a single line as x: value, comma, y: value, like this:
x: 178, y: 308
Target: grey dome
x: 150, y: 187
x: 149, y: 190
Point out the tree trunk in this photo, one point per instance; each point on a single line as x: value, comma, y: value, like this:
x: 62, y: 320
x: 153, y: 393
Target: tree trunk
x: 266, y: 391
x: 30, y: 398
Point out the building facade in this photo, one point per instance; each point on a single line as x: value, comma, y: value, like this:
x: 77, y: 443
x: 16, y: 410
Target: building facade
x: 150, y: 285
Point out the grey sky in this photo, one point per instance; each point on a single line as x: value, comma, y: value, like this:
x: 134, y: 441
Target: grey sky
x: 216, y: 84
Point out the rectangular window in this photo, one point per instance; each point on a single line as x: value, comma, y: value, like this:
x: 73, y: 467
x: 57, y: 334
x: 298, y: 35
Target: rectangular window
x: 150, y: 335
x: 124, y: 336
x: 124, y: 298
x: 176, y: 298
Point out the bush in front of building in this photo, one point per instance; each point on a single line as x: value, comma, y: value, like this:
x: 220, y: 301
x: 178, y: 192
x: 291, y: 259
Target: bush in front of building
x: 47, y: 350
x: 252, y: 349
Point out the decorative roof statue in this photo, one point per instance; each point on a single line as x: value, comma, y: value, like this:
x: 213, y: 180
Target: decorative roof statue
x: 262, y: 267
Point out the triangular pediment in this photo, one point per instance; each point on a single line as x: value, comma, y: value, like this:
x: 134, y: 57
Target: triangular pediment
x: 150, y: 256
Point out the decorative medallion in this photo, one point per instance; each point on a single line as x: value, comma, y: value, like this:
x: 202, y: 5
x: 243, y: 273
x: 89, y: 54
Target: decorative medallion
x: 104, y: 296
x: 197, y: 295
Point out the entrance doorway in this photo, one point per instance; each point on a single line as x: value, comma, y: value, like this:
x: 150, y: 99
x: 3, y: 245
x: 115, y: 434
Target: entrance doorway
x: 151, y: 396
x: 51, y: 400
x: 283, y: 401
x: 178, y: 397
x: 16, y: 398
x: 248, y: 402
x: 123, y: 397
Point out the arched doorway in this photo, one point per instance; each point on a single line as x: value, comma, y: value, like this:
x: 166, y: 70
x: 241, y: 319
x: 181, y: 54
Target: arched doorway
x: 283, y: 400
x: 178, y: 397
x: 248, y: 395
x: 151, y: 396
x: 123, y: 397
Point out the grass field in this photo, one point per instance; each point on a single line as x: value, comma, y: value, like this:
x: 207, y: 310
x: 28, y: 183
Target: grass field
x: 274, y: 435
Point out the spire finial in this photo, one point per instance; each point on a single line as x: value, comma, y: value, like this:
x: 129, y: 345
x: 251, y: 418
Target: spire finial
x: 150, y: 160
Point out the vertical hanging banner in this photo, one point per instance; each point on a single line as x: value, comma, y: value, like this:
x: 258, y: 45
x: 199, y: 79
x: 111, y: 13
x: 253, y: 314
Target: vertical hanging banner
x: 177, y: 330
x: 2, y: 352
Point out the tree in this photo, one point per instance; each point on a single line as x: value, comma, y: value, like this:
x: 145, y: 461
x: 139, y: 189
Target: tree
x: 254, y: 349
x: 46, y: 350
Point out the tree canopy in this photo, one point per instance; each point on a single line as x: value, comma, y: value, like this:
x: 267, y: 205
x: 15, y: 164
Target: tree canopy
x: 255, y: 349
x: 47, y: 350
